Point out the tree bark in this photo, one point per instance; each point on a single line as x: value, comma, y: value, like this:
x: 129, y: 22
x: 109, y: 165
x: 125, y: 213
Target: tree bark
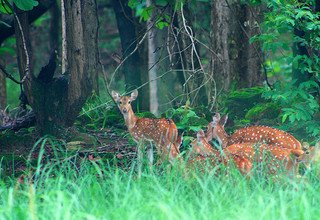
x: 82, y: 53
x: 54, y: 26
x: 152, y: 65
x: 251, y: 57
x: 57, y: 101
x: 132, y: 68
x: 232, y: 25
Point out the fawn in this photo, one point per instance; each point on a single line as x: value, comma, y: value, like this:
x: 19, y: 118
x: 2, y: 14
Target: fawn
x: 202, y: 152
x: 162, y: 132
x: 253, y: 134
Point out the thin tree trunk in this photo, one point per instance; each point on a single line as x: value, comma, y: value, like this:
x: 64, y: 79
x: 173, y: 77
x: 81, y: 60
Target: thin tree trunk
x: 21, y: 53
x: 64, y: 61
x: 54, y: 26
x: 152, y: 64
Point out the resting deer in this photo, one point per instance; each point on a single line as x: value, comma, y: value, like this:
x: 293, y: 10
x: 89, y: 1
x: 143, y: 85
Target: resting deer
x: 202, y: 152
x: 252, y: 134
x: 162, y: 132
x: 245, y: 154
x: 272, y: 156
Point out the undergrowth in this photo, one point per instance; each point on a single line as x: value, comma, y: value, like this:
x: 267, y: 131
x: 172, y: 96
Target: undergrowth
x: 75, y: 187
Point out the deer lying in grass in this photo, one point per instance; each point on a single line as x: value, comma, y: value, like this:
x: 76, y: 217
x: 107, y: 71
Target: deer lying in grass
x: 202, y: 152
x: 162, y: 132
x: 251, y: 134
x: 244, y: 155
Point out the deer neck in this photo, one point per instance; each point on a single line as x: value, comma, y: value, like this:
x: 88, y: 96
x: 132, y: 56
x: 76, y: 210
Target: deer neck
x: 222, y: 137
x: 130, y: 119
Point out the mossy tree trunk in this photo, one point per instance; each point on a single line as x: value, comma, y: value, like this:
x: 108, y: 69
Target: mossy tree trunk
x: 235, y: 59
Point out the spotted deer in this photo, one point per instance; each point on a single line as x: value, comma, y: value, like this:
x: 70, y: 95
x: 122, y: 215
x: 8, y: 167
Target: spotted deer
x: 202, y: 152
x: 252, y: 134
x: 272, y: 156
x: 245, y: 154
x: 162, y: 132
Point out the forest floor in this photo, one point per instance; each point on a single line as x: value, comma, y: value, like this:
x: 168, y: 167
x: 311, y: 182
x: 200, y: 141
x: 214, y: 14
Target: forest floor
x: 23, y: 147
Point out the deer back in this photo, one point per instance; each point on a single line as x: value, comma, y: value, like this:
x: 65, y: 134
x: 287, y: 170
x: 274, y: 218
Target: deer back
x: 264, y: 134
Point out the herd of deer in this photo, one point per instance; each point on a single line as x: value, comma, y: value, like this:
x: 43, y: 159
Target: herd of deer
x: 246, y: 146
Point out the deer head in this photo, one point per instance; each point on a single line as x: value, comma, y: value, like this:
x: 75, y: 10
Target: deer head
x: 201, y: 145
x: 311, y: 155
x: 215, y: 128
x: 124, y: 102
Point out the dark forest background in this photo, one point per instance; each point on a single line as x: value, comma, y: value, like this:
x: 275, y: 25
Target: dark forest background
x: 257, y: 61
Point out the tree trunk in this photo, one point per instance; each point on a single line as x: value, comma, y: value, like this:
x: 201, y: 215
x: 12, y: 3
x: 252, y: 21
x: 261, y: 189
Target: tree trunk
x: 152, y: 64
x: 82, y: 53
x: 54, y: 26
x: 251, y: 54
x: 58, y: 100
x: 232, y: 25
x: 132, y: 68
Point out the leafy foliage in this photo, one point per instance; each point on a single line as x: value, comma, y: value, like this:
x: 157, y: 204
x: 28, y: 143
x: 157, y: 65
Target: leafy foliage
x: 25, y: 5
x: 289, y: 24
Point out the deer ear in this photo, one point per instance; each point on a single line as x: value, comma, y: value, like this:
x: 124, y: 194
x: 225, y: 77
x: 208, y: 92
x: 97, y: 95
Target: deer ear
x: 224, y: 120
x: 134, y: 95
x: 200, y: 135
x: 115, y: 96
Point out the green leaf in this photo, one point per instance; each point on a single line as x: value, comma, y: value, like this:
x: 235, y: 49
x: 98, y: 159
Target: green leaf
x: 5, y: 9
x: 26, y: 5
x: 162, y: 24
x: 284, y: 117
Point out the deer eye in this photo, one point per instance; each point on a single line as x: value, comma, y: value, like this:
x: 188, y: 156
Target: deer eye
x: 307, y: 152
x: 129, y: 102
x: 120, y: 102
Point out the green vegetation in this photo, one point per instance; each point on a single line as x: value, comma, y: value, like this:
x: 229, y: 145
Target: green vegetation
x: 88, y: 189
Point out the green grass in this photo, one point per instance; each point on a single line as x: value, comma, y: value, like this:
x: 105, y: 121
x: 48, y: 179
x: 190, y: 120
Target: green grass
x: 83, y: 189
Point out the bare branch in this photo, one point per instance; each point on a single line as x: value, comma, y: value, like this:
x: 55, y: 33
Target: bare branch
x: 27, y: 67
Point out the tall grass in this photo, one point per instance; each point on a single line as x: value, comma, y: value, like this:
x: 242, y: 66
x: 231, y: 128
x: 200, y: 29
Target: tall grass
x: 78, y: 188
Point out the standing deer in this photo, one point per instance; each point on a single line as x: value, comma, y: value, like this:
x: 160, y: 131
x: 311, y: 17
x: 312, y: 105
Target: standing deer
x: 252, y: 134
x: 162, y: 132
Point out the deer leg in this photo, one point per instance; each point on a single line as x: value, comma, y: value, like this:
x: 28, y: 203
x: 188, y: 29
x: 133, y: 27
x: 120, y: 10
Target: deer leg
x: 150, y: 154
x: 140, y: 158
